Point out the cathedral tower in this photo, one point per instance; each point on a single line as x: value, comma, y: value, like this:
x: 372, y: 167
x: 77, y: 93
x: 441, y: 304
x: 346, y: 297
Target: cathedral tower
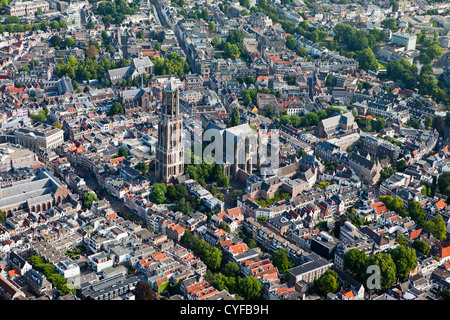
x: 169, y: 149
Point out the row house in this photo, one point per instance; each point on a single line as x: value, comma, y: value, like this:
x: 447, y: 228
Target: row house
x: 261, y: 268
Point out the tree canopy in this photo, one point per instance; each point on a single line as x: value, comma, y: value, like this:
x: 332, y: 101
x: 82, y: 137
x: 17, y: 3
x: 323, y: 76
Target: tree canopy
x: 250, y: 288
x: 116, y: 108
x: 281, y: 260
x: 113, y: 12
x: 235, y: 117
x: 416, y: 212
x: 387, y: 267
x: 426, y: 82
x: 443, y: 183
x: 421, y: 246
x: 210, y: 255
x: 88, y: 199
x: 327, y: 282
x: 87, y: 69
x: 291, y: 43
x: 172, y: 63
x: 395, y: 204
x: 366, y: 59
x: 437, y: 227
x: 405, y: 260
x: 123, y: 152
x: 158, y: 193
x: 355, y: 261
x: 144, y: 291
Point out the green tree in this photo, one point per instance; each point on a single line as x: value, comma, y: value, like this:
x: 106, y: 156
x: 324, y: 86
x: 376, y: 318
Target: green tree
x: 142, y: 167
x: 387, y: 269
x: 295, y: 120
x: 386, y: 172
x: 378, y: 124
x: 405, y: 260
x: 57, y: 125
x: 231, y: 51
x: 25, y: 69
x: 249, y: 80
x: 223, y: 181
x: 355, y: 261
x: 69, y: 42
x: 171, y: 193
x: 390, y: 23
x: 246, y: 97
x: 245, y: 3
x: 312, y: 119
x: 401, y: 165
x: 433, y: 51
x: 327, y: 282
x: 291, y: 43
x: 366, y: 59
x: 330, y: 81
x: 2, y: 216
x: 416, y: 212
x: 281, y: 260
x: 88, y: 199
x: 301, y: 52
x: 394, y: 204
x: 402, y: 240
x: 438, y: 123
x: 437, y: 227
x: 140, y: 35
x: 284, y: 120
x: 181, y: 190
x: 183, y: 206
x: 212, y: 26
x: 172, y: 63
x: 421, y: 246
x: 224, y: 226
x: 235, y: 117
x: 231, y: 269
x: 428, y: 122
x: 116, y: 108
x: 35, y: 260
x: 158, y: 193
x: 213, y: 190
x: 249, y: 288
x: 213, y: 258
x: 56, y: 41
x: 205, y: 14
x: 219, y: 281
x: 445, y: 294
x: 122, y: 152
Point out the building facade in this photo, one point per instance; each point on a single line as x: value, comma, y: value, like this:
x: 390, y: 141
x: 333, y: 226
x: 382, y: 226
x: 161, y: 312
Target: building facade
x: 26, y: 8
x: 39, y: 136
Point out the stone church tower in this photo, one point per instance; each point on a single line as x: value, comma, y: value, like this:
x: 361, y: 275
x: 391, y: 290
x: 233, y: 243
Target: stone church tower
x: 169, y: 149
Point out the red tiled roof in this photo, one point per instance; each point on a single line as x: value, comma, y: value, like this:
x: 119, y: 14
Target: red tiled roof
x: 377, y: 204
x: 444, y: 252
x: 440, y: 204
x: 348, y: 294
x: 14, y: 273
x: 414, y: 234
x: 380, y: 210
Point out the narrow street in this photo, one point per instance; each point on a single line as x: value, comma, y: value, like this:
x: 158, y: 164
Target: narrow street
x: 165, y: 24
x: 116, y: 204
